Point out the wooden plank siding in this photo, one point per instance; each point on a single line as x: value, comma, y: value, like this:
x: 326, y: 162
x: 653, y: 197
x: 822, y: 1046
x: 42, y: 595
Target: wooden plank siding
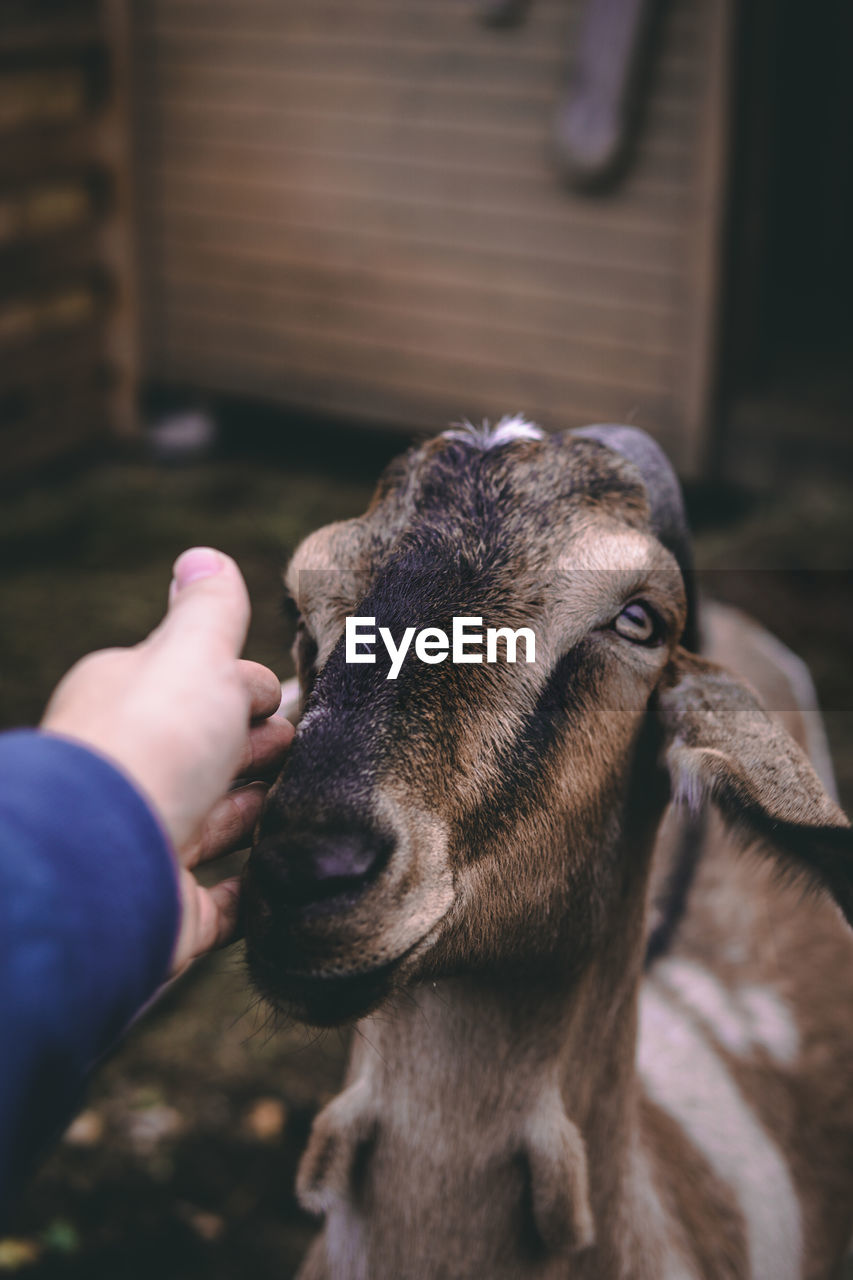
x: 351, y: 207
x: 68, y: 308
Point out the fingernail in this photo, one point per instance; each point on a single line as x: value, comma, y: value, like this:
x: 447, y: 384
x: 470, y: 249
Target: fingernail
x: 193, y: 565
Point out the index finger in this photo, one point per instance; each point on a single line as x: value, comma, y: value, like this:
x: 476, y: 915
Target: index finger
x: 263, y: 686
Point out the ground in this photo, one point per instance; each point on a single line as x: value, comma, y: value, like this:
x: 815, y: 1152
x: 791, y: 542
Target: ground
x: 182, y: 1162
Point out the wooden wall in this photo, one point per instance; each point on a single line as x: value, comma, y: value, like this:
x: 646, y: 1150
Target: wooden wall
x: 67, y: 306
x: 349, y: 205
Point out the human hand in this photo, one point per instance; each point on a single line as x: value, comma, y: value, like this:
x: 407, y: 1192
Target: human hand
x: 182, y: 715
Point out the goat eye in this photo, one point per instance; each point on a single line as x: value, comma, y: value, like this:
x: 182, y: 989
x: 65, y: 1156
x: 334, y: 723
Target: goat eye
x: 638, y: 623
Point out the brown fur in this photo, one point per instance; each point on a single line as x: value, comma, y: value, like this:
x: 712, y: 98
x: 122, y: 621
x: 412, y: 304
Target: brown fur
x: 494, y: 1121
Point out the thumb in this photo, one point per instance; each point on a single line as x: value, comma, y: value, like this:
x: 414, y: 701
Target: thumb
x: 208, y: 602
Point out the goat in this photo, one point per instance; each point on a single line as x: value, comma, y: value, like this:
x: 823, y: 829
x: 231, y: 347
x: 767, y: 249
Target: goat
x: 468, y: 859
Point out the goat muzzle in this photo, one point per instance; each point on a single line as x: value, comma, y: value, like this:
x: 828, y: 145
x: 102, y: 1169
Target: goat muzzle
x: 314, y: 868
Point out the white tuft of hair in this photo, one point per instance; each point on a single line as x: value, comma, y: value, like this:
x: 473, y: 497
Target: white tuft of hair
x: 486, y: 436
x: 688, y: 786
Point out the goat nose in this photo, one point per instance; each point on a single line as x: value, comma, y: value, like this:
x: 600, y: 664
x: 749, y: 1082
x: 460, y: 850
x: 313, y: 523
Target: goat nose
x: 302, y: 867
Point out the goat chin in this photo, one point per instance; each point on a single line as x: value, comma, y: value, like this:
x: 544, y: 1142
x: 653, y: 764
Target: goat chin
x: 323, y: 1001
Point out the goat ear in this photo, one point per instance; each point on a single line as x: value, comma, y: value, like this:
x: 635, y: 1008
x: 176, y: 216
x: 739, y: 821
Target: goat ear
x: 340, y: 1132
x: 721, y: 743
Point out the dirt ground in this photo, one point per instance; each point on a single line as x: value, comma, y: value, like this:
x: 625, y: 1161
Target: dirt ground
x: 182, y: 1162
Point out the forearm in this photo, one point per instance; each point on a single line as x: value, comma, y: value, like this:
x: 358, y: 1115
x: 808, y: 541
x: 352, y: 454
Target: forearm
x: 89, y: 913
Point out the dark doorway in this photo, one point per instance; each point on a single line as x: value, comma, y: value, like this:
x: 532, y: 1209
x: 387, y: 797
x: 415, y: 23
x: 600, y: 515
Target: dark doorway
x: 787, y: 340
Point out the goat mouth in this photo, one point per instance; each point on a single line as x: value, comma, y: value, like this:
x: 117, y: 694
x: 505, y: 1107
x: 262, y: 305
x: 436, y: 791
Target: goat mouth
x: 323, y: 999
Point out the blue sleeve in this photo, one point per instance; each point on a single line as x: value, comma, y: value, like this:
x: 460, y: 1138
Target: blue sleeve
x: 89, y: 913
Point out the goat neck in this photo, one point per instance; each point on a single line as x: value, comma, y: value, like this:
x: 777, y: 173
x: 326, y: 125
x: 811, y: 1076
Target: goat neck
x: 501, y: 1098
